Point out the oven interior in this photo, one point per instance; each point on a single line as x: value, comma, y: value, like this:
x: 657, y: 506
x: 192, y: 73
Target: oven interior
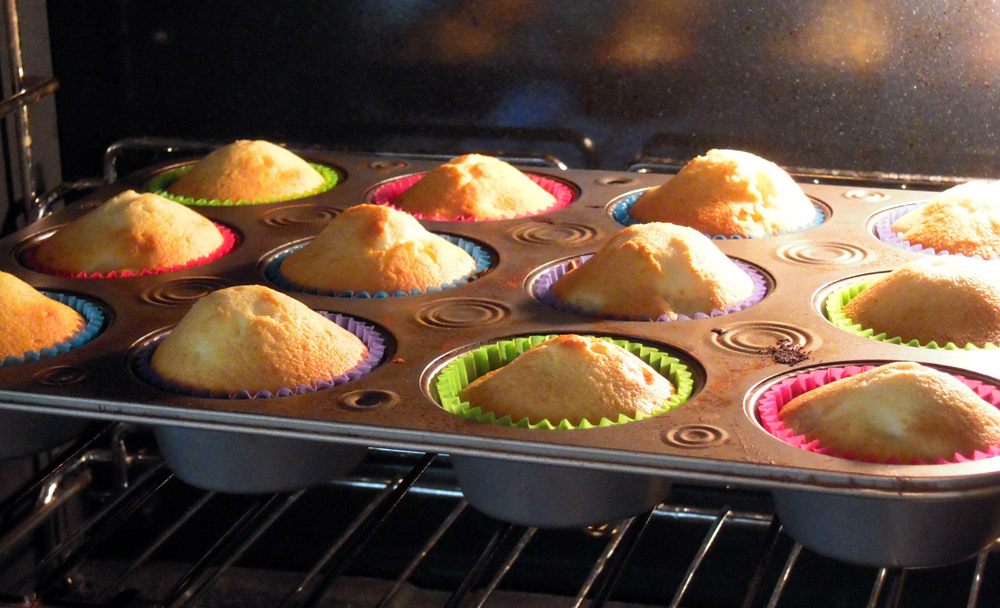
x: 852, y: 91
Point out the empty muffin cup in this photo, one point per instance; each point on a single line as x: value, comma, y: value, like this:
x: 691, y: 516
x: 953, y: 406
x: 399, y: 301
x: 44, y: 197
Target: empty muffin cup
x: 246, y: 462
x: 874, y: 528
x: 545, y: 494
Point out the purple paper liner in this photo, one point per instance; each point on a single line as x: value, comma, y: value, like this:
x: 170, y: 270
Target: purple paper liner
x: 482, y: 258
x: 541, y: 288
x: 93, y: 316
x: 884, y: 233
x: 621, y: 212
x: 775, y: 397
x: 366, y: 332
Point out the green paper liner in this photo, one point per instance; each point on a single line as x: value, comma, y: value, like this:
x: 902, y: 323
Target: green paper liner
x: 159, y: 184
x: 471, y: 365
x: 839, y: 298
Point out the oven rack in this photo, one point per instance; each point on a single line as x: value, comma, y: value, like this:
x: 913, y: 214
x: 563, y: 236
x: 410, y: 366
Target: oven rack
x: 107, y: 525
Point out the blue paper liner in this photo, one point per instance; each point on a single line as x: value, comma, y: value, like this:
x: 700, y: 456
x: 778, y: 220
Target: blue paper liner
x: 93, y: 316
x: 621, y: 212
x: 480, y: 255
x: 541, y: 288
x: 884, y: 233
x: 366, y: 332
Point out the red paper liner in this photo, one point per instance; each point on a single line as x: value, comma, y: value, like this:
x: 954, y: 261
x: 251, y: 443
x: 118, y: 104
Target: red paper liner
x: 388, y: 192
x: 775, y: 397
x: 228, y: 243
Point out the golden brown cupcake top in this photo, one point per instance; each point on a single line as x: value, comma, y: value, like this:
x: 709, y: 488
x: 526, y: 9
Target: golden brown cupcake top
x: 649, y: 270
x: 475, y: 186
x: 570, y: 377
x: 901, y: 410
x: 132, y: 232
x: 253, y: 338
x: 376, y: 248
x: 30, y: 321
x: 939, y: 299
x: 248, y: 171
x: 728, y: 192
x: 962, y: 220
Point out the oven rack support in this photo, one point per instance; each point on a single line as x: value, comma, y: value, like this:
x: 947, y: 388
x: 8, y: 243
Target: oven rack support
x: 134, y: 479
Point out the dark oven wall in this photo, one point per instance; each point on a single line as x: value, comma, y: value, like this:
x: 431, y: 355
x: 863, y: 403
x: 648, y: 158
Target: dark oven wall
x: 867, y: 85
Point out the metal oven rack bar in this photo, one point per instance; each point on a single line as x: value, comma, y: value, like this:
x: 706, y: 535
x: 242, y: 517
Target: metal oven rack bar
x: 84, y: 568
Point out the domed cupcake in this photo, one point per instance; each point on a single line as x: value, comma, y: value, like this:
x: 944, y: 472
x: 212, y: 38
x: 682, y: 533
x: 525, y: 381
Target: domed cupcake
x: 132, y: 233
x: 729, y: 193
x: 374, y: 248
x: 572, y: 378
x: 31, y: 321
x: 249, y: 171
x: 475, y: 186
x: 251, y: 338
x: 902, y: 412
x: 940, y: 299
x: 655, y: 270
x: 963, y: 220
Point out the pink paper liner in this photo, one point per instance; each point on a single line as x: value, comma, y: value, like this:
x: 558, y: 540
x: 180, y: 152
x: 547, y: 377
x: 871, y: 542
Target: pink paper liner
x: 228, y: 243
x: 388, y: 192
x: 772, y: 400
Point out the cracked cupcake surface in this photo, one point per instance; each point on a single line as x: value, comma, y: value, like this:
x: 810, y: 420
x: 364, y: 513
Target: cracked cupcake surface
x: 376, y: 248
x: 730, y: 193
x: 572, y: 378
x: 899, y: 411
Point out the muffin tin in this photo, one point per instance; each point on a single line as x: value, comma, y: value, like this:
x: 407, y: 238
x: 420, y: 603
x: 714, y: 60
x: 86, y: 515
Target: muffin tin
x: 893, y: 512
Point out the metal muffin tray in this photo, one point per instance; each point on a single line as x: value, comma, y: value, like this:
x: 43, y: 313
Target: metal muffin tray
x: 714, y: 438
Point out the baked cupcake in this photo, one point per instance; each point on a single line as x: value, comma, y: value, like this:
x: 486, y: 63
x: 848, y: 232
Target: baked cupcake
x: 941, y: 299
x: 902, y: 412
x: 574, y: 379
x: 132, y: 233
x: 374, y: 248
x: 729, y: 193
x: 251, y: 338
x: 655, y: 270
x: 31, y: 321
x: 249, y: 171
x: 963, y: 220
x: 477, y: 187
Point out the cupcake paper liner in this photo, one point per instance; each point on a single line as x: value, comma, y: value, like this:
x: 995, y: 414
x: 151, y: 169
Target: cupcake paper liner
x: 228, y: 243
x: 622, y: 213
x: 482, y: 258
x: 366, y: 332
x: 775, y: 397
x: 464, y: 369
x: 838, y: 299
x: 93, y: 316
x: 159, y: 184
x: 883, y: 230
x: 388, y: 192
x: 542, y: 289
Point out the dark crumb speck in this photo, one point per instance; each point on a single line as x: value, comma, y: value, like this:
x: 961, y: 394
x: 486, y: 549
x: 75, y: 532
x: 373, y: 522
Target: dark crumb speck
x: 785, y: 352
x: 399, y: 360
x: 717, y: 331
